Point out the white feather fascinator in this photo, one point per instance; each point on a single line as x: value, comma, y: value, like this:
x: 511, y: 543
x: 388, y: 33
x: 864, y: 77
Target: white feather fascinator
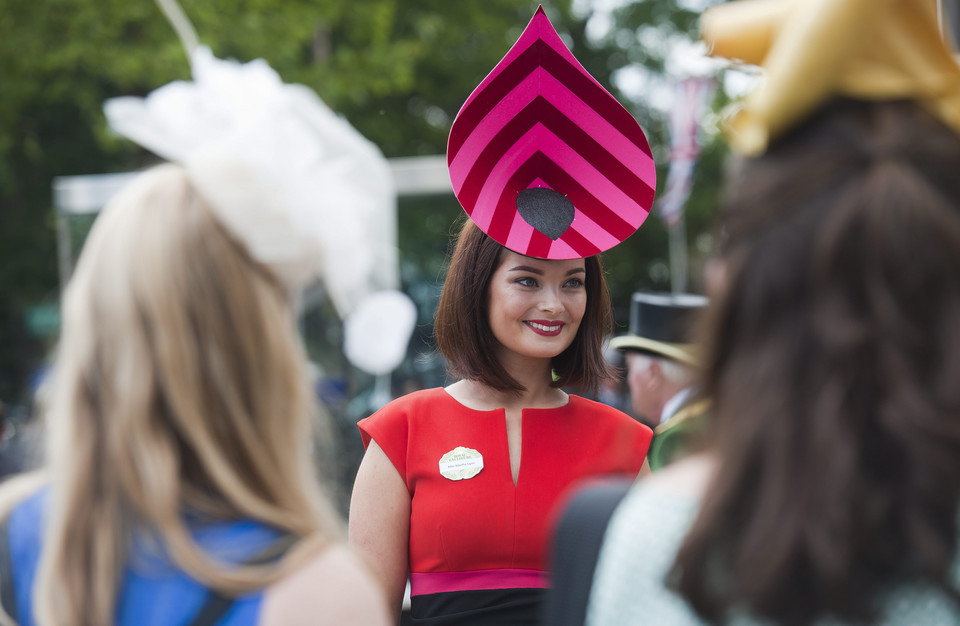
x: 301, y: 188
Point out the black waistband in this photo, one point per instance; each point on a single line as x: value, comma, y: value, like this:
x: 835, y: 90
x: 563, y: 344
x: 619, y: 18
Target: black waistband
x: 487, y: 607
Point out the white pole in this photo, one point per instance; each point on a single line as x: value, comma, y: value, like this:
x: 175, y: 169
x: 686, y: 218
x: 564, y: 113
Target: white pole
x: 181, y: 24
x: 64, y: 251
x: 678, y: 255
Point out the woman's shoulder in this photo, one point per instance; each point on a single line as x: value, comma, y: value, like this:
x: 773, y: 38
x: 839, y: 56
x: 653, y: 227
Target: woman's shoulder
x: 579, y: 403
x: 414, y: 399
x: 331, y: 587
x: 597, y: 411
x: 399, y: 409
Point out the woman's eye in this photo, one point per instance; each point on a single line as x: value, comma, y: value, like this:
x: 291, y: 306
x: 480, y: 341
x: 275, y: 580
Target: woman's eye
x: 575, y: 283
x: 527, y: 281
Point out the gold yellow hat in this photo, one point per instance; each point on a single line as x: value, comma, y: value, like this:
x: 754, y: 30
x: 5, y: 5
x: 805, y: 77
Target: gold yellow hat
x: 814, y: 49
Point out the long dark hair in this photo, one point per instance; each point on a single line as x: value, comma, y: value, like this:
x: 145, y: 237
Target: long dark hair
x: 833, y: 360
x: 462, y: 328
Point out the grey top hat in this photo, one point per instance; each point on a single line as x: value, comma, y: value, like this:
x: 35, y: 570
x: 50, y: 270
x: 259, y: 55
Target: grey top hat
x: 660, y: 324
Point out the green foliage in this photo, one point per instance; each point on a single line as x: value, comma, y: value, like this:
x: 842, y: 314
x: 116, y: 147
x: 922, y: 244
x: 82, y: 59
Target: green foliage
x: 398, y: 70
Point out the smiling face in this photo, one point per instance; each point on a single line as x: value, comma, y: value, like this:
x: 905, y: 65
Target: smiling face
x: 536, y: 306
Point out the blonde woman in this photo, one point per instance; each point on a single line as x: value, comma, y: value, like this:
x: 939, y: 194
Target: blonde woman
x: 179, y: 487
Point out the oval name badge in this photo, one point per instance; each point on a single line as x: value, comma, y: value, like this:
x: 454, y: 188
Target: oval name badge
x: 461, y: 463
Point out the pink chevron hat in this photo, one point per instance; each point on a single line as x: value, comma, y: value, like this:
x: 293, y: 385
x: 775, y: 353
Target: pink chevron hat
x: 544, y: 160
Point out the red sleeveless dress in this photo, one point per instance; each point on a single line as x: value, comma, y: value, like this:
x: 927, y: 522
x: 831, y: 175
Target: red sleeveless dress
x: 478, y: 545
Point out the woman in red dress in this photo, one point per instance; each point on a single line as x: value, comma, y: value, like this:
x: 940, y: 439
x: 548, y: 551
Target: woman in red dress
x: 458, y: 484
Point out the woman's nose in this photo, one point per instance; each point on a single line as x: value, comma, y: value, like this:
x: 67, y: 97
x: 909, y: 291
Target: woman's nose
x: 551, y: 301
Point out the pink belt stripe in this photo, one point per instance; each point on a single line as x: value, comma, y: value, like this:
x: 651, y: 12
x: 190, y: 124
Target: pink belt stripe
x: 422, y: 583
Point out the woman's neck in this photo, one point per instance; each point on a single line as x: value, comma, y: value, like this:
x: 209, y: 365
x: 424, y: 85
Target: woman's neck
x: 538, y: 393
x: 534, y: 373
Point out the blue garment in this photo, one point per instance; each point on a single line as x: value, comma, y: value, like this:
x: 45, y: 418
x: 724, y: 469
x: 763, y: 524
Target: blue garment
x: 153, y: 591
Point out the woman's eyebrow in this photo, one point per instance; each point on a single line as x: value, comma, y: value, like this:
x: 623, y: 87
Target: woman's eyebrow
x: 526, y: 268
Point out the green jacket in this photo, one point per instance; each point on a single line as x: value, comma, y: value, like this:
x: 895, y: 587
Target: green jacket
x: 675, y: 437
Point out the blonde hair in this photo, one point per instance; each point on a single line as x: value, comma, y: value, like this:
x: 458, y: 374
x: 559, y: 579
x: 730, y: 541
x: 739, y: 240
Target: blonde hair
x: 180, y: 386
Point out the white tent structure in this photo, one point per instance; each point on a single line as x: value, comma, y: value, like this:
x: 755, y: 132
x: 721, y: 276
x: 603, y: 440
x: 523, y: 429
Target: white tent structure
x: 87, y: 195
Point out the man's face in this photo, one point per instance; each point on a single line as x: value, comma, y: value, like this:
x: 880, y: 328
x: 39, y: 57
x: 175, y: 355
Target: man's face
x: 646, y: 387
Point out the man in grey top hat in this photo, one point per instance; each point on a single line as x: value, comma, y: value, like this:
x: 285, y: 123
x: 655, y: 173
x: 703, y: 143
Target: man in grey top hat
x: 660, y: 365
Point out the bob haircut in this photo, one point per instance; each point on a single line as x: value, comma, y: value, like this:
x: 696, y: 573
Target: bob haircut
x: 462, y: 327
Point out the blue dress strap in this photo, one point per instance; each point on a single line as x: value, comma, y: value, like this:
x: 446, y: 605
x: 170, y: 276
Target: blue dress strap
x: 217, y: 605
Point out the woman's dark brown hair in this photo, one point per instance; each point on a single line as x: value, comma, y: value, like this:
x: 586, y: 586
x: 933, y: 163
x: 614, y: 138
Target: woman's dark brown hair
x: 834, y: 365
x: 462, y: 328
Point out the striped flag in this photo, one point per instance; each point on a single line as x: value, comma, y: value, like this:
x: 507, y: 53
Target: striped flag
x: 691, y: 96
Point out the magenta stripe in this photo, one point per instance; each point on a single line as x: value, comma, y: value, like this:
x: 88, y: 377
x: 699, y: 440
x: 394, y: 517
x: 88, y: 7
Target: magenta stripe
x: 423, y: 583
x: 610, y: 190
x: 539, y: 97
x: 539, y: 246
x: 520, y: 232
x: 488, y: 94
x: 610, y: 137
x: 626, y: 180
x: 588, y: 204
x: 485, y: 98
x: 506, y: 205
x: 496, y: 216
x: 627, y: 169
x: 507, y: 110
x: 581, y: 244
x: 585, y: 237
x: 492, y: 155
